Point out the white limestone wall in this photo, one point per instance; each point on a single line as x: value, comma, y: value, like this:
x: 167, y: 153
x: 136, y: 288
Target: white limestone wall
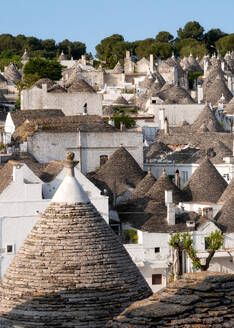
x: 177, y: 113
x: 53, y: 146
x: 50, y: 146
x: 186, y: 170
x: 96, y: 144
x: 16, y: 221
x: 149, y: 262
x: 69, y: 103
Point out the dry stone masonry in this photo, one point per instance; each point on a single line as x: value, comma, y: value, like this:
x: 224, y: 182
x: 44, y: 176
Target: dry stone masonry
x: 72, y: 270
x: 203, y: 300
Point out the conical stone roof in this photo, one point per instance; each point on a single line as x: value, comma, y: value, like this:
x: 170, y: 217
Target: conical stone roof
x: 229, y: 108
x: 25, y: 56
x: 72, y: 270
x: 228, y: 192
x: 12, y: 73
x: 205, y: 185
x: 206, y: 121
x: 118, y: 68
x: 120, y: 101
x: 143, y: 186
x: 62, y: 56
x: 175, y: 95
x: 120, y: 172
x: 225, y: 216
x: 80, y: 85
x: 215, y: 90
x: 157, y: 191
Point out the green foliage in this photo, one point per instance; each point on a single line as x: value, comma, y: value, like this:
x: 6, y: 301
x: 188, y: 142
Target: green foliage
x: 211, y: 37
x: 142, y: 48
x: 214, y: 241
x: 2, y: 146
x: 164, y: 36
x: 130, y: 236
x: 46, y: 48
x: 7, y: 57
x: 108, y: 49
x: 192, y: 76
x: 43, y: 68
x: 128, y: 121
x: 225, y: 44
x: 161, y: 49
x: 184, y: 242
x: 191, y: 30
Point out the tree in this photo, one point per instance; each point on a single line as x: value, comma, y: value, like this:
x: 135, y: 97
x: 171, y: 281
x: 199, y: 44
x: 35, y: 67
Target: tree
x: 142, y: 47
x: 191, y: 30
x: 127, y: 120
x: 43, y: 68
x: 108, y: 48
x: 211, y: 37
x: 184, y: 242
x: 164, y: 36
x: 225, y: 44
x: 161, y: 49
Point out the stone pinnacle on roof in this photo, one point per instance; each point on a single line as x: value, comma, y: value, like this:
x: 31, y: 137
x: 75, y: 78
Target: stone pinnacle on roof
x: 72, y: 271
x: 205, y: 185
x: 70, y: 191
x: 62, y: 56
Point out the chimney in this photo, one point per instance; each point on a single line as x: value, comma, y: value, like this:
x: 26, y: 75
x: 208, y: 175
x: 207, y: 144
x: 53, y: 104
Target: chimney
x: 170, y: 207
x: 168, y: 197
x: 18, y: 175
x: 151, y: 63
x: 161, y: 116
x: 111, y: 122
x: 83, y: 59
x: 127, y: 54
x: 122, y: 127
x: 177, y: 179
x: 166, y: 126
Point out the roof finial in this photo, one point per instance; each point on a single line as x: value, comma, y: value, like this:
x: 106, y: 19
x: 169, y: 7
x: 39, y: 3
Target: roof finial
x: 149, y: 170
x: 70, y: 163
x: 163, y: 171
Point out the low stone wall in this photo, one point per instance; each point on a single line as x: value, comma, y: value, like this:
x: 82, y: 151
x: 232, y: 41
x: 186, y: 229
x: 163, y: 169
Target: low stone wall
x: 201, y: 300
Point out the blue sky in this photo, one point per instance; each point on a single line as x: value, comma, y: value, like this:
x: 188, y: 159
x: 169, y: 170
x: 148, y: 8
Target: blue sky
x: 92, y: 20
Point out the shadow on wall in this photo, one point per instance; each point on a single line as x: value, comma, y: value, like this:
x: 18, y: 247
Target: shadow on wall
x: 67, y: 308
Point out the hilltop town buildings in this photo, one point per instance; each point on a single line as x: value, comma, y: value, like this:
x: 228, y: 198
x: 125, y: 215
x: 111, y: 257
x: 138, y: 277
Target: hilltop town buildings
x: 172, y: 172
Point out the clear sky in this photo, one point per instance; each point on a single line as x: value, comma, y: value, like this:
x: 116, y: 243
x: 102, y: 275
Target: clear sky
x: 90, y: 21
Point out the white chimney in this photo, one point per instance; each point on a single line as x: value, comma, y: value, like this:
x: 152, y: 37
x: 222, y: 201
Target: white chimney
x: 170, y: 207
x: 171, y: 213
x: 151, y: 63
x: 168, y: 197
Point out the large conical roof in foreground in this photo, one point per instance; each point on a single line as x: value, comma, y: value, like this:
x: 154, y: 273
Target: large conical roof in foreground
x: 205, y: 185
x: 72, y: 270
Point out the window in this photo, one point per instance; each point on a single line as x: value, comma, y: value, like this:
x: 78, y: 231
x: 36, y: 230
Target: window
x: 156, y: 279
x: 9, y: 249
x: 153, y: 101
x: 103, y: 159
x: 157, y: 250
